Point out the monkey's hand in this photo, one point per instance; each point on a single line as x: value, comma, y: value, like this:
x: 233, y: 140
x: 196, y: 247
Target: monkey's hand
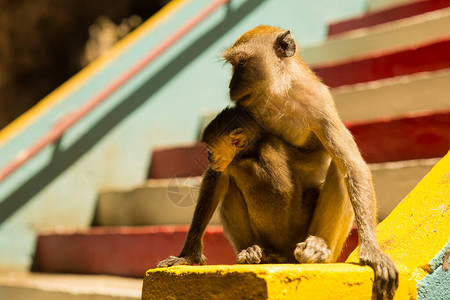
x: 180, y: 261
x: 313, y: 250
x: 251, y: 255
x: 386, y: 274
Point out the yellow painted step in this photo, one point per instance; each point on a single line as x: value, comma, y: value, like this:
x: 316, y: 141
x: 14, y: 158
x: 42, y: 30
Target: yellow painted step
x: 306, y: 281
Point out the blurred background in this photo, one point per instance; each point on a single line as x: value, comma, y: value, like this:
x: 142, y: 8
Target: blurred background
x: 102, y: 104
x: 44, y: 43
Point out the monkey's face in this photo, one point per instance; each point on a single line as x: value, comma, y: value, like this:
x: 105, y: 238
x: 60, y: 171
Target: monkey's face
x: 221, y: 154
x: 225, y: 148
x: 256, y: 57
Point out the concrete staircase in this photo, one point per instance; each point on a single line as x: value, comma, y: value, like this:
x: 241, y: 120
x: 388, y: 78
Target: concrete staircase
x: 389, y: 72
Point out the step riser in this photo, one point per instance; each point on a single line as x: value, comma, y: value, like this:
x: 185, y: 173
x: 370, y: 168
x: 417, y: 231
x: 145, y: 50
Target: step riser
x: 153, y: 204
x: 395, y: 97
x: 431, y: 57
x: 403, y: 139
x: 396, y: 35
x: 388, y: 15
x: 132, y: 251
x: 122, y: 253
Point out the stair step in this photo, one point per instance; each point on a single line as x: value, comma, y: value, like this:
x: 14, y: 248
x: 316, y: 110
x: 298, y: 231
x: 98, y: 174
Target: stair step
x: 130, y: 251
x: 372, y: 18
x: 394, y: 97
x: 143, y: 206
x: 38, y: 286
x: 121, y: 251
x: 157, y: 202
x: 399, y: 34
x: 424, y: 58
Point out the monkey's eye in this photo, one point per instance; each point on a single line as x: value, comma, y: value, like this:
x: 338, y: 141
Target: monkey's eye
x: 241, y: 62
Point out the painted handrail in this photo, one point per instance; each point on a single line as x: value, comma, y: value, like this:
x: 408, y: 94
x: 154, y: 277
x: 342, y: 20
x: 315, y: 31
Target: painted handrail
x: 57, y: 131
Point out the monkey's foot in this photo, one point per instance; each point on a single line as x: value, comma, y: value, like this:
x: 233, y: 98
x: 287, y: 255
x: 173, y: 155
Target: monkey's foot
x: 386, y: 274
x: 180, y: 261
x: 251, y: 255
x: 313, y: 250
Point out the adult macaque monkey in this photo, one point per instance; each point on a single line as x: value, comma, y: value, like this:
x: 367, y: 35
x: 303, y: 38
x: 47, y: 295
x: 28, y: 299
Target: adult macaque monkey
x: 271, y: 80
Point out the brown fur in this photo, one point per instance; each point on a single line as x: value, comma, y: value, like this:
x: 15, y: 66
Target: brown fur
x: 266, y: 195
x: 271, y: 191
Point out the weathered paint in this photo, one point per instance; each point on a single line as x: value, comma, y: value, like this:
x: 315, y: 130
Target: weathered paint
x: 403, y: 10
x: 436, y: 285
x: 398, y: 34
x: 305, y: 281
x: 159, y: 107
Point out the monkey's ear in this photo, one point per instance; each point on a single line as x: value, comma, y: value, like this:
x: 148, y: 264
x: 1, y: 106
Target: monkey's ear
x: 285, y: 45
x: 238, y: 138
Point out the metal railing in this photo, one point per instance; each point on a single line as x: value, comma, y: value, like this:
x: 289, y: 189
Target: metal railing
x: 57, y: 131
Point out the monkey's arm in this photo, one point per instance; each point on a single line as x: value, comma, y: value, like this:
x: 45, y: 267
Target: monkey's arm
x: 213, y: 189
x: 358, y: 181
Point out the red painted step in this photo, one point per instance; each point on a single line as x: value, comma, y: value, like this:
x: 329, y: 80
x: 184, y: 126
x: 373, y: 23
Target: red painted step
x: 424, y: 58
x: 414, y: 137
x: 178, y: 161
x: 130, y: 251
x: 388, y: 15
x: 122, y: 251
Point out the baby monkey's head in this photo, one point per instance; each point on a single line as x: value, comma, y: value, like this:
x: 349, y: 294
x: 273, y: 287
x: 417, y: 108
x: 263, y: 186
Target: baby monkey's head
x: 232, y: 132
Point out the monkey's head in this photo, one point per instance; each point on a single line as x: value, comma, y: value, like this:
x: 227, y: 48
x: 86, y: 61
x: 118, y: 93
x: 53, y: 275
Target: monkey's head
x: 230, y: 133
x: 260, y: 58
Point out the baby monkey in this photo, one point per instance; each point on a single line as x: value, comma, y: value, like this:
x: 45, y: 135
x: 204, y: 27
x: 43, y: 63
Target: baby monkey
x: 267, y: 190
